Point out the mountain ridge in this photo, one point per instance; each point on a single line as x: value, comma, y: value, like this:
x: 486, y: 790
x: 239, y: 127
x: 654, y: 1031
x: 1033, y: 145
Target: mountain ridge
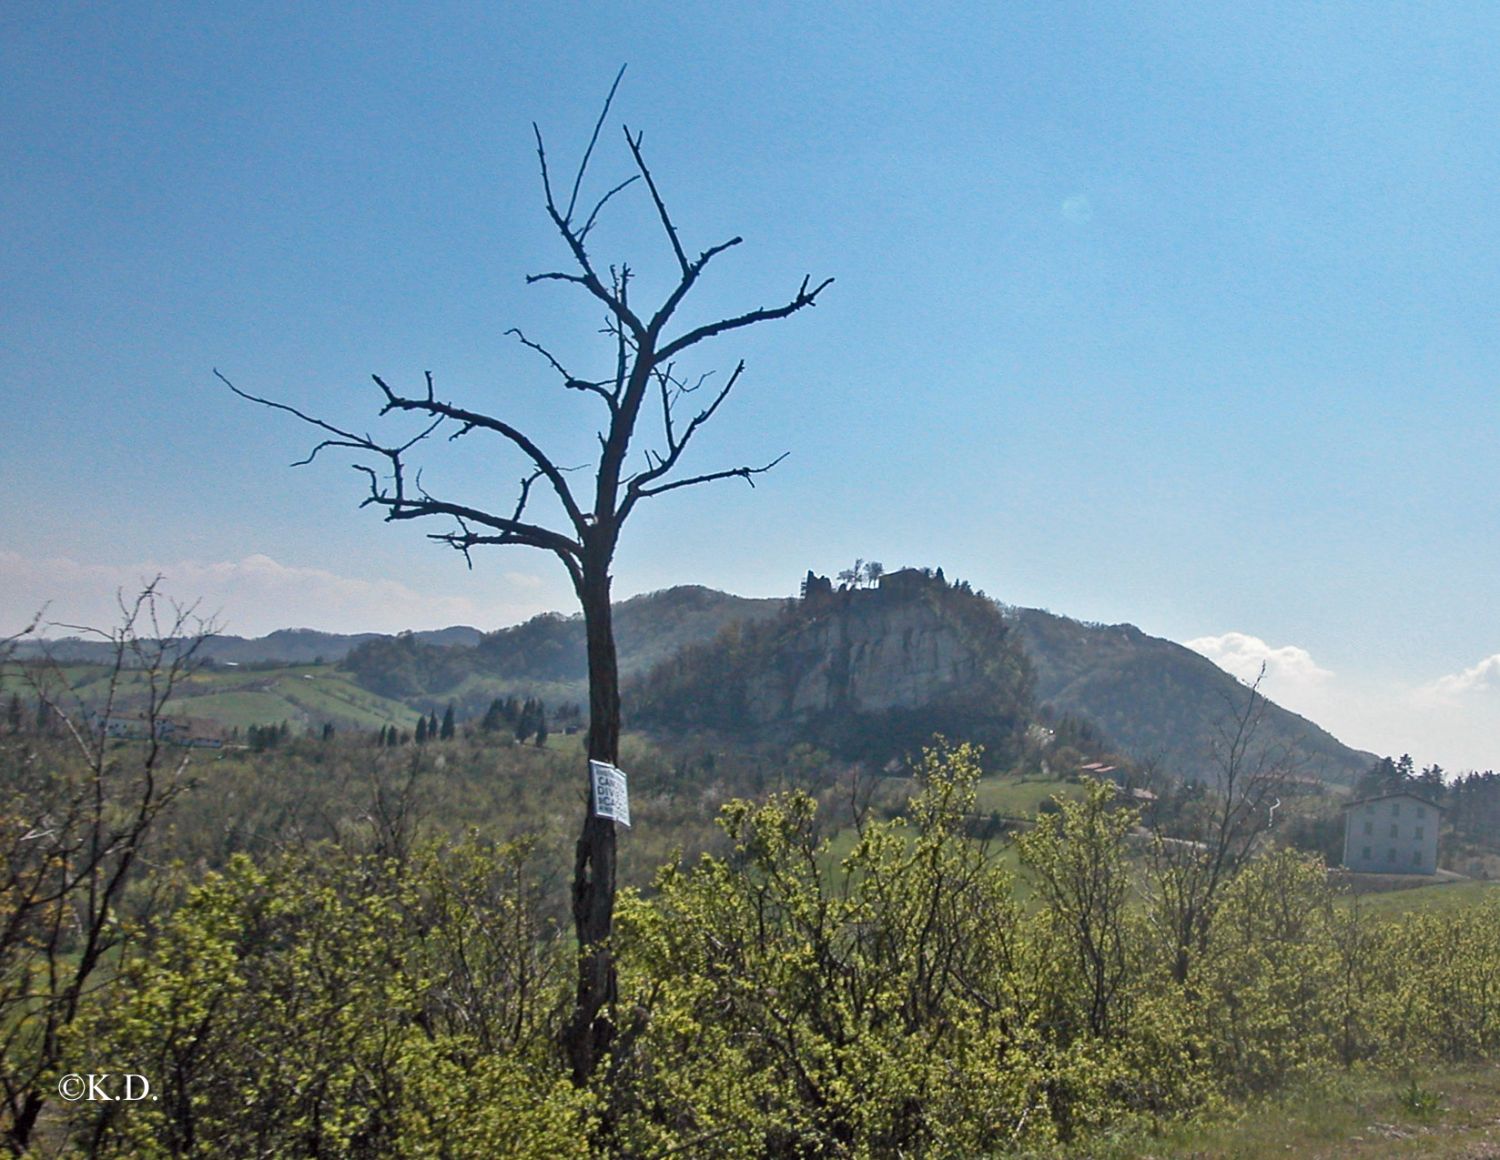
x: 286, y: 646
x: 1158, y: 699
x: 1153, y: 699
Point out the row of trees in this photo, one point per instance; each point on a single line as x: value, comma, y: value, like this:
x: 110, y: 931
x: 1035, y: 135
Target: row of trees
x: 1400, y: 774
x: 428, y: 728
x: 1473, y: 805
x: 526, y: 720
x: 263, y: 737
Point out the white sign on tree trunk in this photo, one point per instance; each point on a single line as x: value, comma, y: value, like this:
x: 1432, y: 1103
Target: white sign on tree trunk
x: 611, y: 797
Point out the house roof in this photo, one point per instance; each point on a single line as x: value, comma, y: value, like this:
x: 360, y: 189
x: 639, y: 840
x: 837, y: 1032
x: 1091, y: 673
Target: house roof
x: 1416, y: 797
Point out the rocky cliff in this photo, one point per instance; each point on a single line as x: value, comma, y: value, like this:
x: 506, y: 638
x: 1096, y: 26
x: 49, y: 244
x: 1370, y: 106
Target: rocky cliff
x: 860, y: 670
x: 863, y: 652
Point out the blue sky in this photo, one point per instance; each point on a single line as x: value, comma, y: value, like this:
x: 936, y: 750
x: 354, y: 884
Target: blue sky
x: 1173, y: 314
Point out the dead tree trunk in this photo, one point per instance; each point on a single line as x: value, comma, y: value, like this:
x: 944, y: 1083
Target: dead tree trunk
x: 590, y: 1029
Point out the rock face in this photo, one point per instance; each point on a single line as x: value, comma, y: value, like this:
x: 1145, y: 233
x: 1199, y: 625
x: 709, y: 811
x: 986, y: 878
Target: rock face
x: 862, y: 671
x: 865, y: 652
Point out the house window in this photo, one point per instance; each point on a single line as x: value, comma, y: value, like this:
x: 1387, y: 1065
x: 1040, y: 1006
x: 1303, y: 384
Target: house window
x: 1421, y: 811
x: 1395, y: 830
x: 1417, y: 833
x: 1365, y: 853
x: 1395, y: 809
x: 1369, y: 829
x: 1416, y: 857
x: 1390, y: 855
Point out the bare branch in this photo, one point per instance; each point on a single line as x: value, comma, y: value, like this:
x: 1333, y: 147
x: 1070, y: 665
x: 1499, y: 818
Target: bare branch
x: 746, y: 473
x: 557, y: 276
x: 803, y: 298
x: 708, y: 412
x: 464, y: 540
x: 594, y: 217
x: 661, y: 209
x: 402, y: 507
x: 570, y: 381
x: 689, y: 277
x: 587, y: 153
x: 589, y: 280
x: 399, y: 505
x: 541, y: 156
x: 660, y: 465
x: 476, y: 419
x: 344, y: 438
x: 665, y: 380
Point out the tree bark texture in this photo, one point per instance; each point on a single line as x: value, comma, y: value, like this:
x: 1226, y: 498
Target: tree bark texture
x: 590, y: 1030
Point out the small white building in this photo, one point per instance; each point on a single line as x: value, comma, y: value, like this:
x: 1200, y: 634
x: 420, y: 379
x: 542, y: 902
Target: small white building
x: 1395, y: 833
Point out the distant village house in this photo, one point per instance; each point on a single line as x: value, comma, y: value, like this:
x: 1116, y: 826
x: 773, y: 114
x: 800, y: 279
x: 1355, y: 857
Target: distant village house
x: 1395, y: 833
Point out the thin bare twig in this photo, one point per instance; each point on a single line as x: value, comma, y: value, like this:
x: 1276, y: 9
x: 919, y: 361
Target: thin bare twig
x: 593, y: 140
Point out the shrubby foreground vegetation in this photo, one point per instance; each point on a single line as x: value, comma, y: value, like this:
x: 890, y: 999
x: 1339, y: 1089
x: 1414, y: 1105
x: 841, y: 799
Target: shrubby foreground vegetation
x: 304, y: 954
x: 378, y: 998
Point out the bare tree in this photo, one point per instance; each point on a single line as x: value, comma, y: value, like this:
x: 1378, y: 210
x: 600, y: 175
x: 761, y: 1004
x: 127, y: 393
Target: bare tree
x: 1190, y: 871
x: 77, y: 805
x: 642, y: 377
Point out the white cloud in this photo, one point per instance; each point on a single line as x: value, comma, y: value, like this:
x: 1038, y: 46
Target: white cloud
x: 1451, y: 720
x: 255, y: 595
x: 1476, y: 680
x: 1243, y: 655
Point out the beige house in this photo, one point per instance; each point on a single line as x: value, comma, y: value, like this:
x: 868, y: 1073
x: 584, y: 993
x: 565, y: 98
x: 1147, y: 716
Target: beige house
x: 1396, y: 833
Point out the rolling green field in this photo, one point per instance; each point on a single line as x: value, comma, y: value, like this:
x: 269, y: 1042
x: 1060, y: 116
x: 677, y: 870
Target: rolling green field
x: 305, y: 696
x: 1447, y: 1113
x: 1022, y: 797
x: 1439, y: 898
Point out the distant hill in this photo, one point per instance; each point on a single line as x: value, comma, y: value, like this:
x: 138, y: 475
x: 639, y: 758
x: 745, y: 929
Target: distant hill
x: 285, y: 646
x: 1158, y: 700
x: 916, y: 656
x: 546, y: 656
x: 868, y: 672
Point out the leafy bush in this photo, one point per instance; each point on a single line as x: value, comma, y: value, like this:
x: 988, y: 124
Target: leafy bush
x: 776, y: 999
x: 346, y: 1005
